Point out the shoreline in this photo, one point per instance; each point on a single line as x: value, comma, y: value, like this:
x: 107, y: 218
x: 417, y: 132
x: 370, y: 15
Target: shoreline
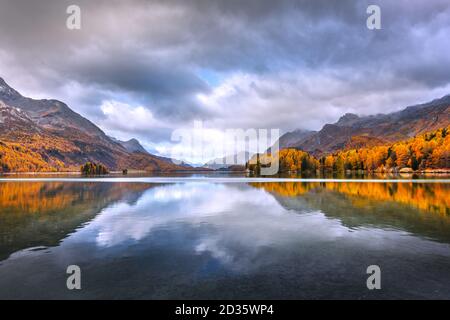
x: 130, y: 172
x: 158, y: 180
x: 348, y: 172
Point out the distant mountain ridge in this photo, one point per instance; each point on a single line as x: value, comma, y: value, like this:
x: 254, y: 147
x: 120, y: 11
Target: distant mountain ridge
x: 62, y: 139
x: 132, y: 145
x: 293, y: 138
x: 352, y: 131
x: 238, y: 159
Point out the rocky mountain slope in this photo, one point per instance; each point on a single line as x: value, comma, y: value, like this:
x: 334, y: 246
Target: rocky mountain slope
x: 61, y: 139
x: 352, y: 131
x: 293, y: 138
x: 132, y: 145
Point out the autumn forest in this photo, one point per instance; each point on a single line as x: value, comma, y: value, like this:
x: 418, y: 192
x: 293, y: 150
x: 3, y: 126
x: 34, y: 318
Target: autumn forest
x: 425, y: 152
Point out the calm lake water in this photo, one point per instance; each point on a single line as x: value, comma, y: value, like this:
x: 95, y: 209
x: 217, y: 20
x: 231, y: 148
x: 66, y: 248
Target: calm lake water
x: 215, y: 239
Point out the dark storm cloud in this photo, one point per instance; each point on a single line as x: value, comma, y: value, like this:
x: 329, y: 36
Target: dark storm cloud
x: 169, y: 88
x: 155, y: 54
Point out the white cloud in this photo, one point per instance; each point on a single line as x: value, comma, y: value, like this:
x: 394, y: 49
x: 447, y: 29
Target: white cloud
x: 122, y: 116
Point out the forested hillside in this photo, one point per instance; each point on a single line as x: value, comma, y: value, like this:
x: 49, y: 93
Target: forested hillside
x: 429, y: 151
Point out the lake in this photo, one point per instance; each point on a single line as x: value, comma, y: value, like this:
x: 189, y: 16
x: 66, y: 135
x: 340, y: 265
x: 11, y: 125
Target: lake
x: 224, y: 238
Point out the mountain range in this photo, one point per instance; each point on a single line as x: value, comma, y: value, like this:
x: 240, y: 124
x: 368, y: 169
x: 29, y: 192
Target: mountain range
x: 57, y: 138
x: 132, y: 145
x: 237, y: 160
x: 352, y: 131
x: 46, y: 135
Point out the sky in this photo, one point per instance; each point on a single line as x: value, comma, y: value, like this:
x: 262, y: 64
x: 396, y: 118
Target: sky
x: 144, y: 69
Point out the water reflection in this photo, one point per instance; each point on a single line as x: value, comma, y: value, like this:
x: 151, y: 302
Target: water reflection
x: 427, y: 197
x: 419, y: 208
x: 214, y: 240
x: 41, y: 214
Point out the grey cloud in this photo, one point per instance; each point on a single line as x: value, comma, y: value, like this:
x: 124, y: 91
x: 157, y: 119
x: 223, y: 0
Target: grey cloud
x: 150, y: 52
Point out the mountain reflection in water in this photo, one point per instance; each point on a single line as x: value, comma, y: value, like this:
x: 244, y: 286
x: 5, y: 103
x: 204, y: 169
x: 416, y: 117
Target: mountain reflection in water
x: 216, y: 240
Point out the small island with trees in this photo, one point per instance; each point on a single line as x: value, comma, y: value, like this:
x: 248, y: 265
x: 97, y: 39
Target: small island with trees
x: 92, y: 168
